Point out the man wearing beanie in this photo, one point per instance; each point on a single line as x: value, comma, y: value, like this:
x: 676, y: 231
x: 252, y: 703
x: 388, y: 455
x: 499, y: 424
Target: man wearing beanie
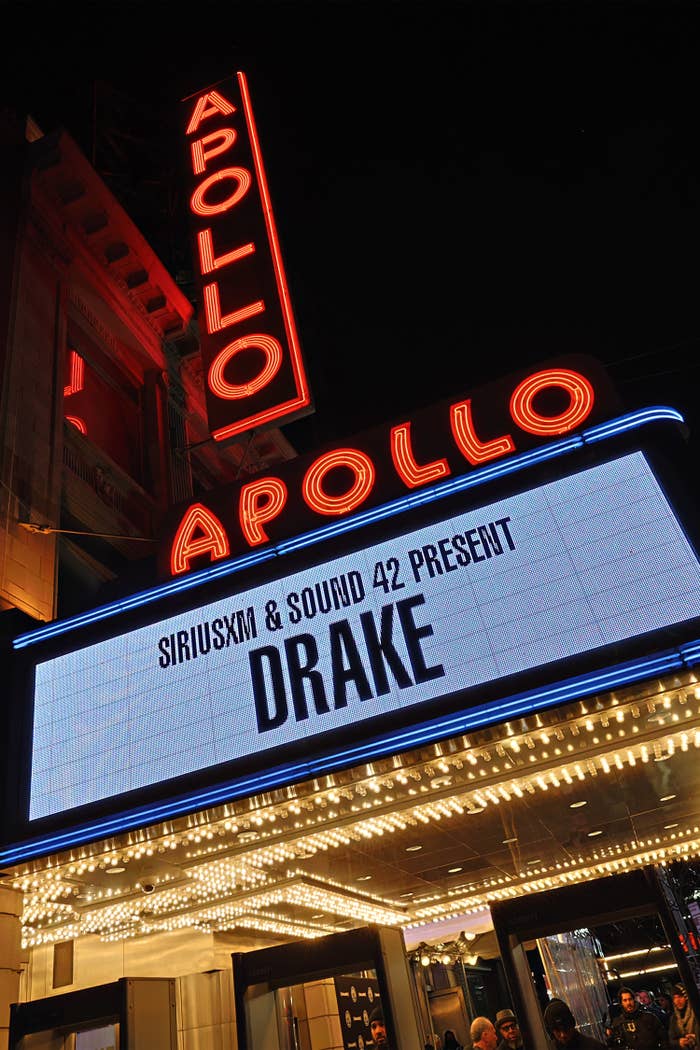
x: 561, y: 1025
x: 683, y: 1029
x: 636, y: 1028
x: 377, y: 1027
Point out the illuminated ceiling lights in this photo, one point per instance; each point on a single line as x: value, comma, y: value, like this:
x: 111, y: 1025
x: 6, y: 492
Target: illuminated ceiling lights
x: 635, y: 952
x: 649, y: 969
x: 446, y: 952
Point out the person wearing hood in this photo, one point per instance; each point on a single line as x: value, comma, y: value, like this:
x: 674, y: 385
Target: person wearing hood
x: 561, y: 1025
x: 449, y: 1041
x: 648, y: 1002
x: 377, y: 1027
x: 683, y: 1028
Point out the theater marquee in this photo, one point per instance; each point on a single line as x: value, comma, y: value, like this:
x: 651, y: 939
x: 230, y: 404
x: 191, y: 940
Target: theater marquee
x: 349, y: 648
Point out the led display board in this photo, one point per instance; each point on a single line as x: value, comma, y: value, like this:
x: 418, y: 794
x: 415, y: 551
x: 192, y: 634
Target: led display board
x: 254, y: 374
x: 366, y: 639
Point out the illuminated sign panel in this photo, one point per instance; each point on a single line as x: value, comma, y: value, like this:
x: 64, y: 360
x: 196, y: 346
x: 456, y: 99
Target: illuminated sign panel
x: 511, y: 415
x: 254, y: 371
x: 365, y: 639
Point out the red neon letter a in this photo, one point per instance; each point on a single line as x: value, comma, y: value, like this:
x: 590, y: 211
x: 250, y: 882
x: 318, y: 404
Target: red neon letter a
x: 207, y: 105
x: 211, y: 538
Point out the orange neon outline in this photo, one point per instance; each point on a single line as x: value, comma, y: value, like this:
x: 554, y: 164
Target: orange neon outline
x: 208, y: 263
x: 77, y: 374
x: 577, y: 387
x: 212, y: 310
x: 184, y: 548
x: 76, y: 384
x: 79, y: 424
x: 219, y: 105
x: 244, y: 179
x: 200, y: 155
x: 251, y: 514
x: 259, y: 420
x: 365, y: 476
x: 230, y: 392
x: 405, y: 463
x: 474, y: 450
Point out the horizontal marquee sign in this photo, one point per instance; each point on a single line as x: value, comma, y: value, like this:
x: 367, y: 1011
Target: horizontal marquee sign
x: 371, y: 639
x: 254, y: 374
x: 495, y: 422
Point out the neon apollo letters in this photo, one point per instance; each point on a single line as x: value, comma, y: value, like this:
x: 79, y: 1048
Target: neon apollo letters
x: 261, y: 501
x: 254, y: 371
x: 255, y: 375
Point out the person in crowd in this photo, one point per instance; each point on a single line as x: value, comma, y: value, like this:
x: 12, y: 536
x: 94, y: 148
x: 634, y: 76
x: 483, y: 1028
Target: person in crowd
x: 614, y: 1010
x: 449, y: 1041
x: 636, y: 1028
x: 508, y: 1031
x: 561, y: 1025
x: 377, y: 1027
x: 664, y: 1003
x: 683, y: 1028
x: 483, y: 1034
x: 647, y: 1002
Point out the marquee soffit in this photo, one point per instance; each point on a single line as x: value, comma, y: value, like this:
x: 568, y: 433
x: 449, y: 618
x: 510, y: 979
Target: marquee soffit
x: 594, y: 788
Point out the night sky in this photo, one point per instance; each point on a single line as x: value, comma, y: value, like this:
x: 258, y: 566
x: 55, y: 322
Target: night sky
x: 460, y: 188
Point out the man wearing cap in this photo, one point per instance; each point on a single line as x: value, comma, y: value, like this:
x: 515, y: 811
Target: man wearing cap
x: 636, y: 1028
x: 377, y: 1027
x: 508, y: 1031
x: 561, y: 1025
x: 683, y: 1029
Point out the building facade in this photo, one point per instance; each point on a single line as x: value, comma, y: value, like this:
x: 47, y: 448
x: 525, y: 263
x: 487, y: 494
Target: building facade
x: 506, y: 786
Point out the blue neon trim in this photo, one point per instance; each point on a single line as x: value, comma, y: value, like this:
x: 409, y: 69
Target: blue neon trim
x: 630, y: 421
x: 478, y: 476
x: 685, y: 655
x: 690, y: 652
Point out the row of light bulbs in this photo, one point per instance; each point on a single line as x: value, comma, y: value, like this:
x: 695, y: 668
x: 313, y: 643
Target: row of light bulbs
x: 444, y: 765
x: 121, y: 918
x: 47, y: 913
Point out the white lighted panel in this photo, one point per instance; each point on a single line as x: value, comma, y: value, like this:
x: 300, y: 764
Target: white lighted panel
x: 576, y: 564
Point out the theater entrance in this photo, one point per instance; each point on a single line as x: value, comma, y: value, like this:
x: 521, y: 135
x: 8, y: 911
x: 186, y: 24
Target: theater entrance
x: 579, y: 909
x: 331, y: 991
x: 128, y: 1014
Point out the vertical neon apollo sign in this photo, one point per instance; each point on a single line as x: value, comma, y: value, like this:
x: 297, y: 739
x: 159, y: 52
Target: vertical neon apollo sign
x: 254, y: 371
